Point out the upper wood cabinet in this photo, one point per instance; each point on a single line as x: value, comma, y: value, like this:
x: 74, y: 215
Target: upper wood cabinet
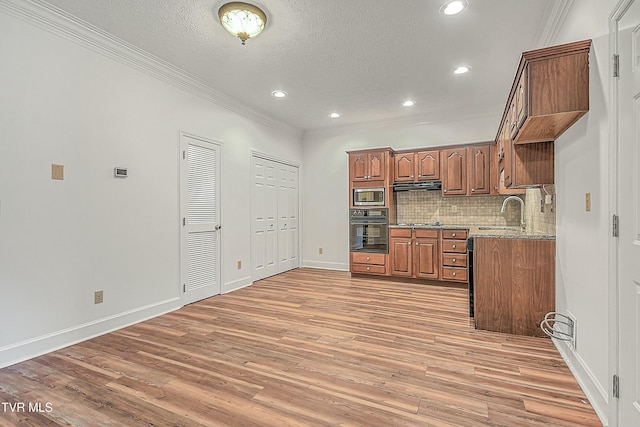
x: 481, y: 174
x: 550, y: 92
x: 454, y: 171
x: 417, y: 166
x: 368, y: 166
x: 469, y: 171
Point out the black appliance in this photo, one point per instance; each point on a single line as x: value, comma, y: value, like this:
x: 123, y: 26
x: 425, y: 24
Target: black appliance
x: 413, y: 186
x: 369, y: 230
x: 470, y: 259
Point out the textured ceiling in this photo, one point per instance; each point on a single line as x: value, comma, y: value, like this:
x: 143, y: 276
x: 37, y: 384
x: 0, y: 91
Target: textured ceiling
x: 362, y: 58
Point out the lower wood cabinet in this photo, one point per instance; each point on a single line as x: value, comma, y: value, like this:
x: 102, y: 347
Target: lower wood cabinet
x: 514, y: 284
x: 414, y: 253
x: 454, y: 255
x: 368, y: 263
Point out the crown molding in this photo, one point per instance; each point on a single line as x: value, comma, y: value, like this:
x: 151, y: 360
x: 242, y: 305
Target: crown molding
x: 52, y: 19
x: 553, y: 16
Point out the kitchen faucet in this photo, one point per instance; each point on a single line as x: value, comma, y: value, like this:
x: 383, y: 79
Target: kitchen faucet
x: 522, y: 223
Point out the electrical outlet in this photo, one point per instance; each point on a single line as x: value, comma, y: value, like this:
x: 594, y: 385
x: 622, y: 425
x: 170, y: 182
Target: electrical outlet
x: 320, y: 251
x: 548, y: 199
x: 98, y: 297
x: 239, y: 265
x: 587, y: 202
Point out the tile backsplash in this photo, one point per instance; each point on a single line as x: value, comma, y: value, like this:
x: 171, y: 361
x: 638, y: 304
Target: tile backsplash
x: 431, y: 206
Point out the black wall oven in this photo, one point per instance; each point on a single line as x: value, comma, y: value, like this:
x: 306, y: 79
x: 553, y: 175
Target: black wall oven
x: 369, y: 230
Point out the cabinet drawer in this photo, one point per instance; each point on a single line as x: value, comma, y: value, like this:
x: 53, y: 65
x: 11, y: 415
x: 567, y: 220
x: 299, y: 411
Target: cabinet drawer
x: 456, y: 246
x: 454, y: 260
x: 371, y: 259
x: 427, y: 233
x: 455, y: 234
x: 400, y: 232
x: 454, y: 274
x: 364, y: 268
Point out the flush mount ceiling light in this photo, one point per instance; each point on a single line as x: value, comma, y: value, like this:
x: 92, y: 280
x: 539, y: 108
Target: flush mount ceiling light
x: 454, y: 7
x: 242, y: 20
x: 463, y: 69
x: 279, y: 94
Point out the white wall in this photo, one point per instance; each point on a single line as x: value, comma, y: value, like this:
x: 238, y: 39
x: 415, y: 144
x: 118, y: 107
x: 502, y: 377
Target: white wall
x: 582, y: 158
x: 326, y: 193
x: 61, y: 240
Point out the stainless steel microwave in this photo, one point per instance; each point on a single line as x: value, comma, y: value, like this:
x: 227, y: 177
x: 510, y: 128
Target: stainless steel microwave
x: 368, y: 197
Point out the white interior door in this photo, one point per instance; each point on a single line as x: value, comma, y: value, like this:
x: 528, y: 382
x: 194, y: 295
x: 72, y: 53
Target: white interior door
x: 264, y: 241
x: 287, y: 218
x: 629, y: 212
x: 200, y: 218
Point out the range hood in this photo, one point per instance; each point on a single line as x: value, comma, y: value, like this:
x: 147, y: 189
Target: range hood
x: 413, y: 186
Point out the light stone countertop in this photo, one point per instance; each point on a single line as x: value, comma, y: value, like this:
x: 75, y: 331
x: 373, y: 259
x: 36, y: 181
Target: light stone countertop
x: 496, y: 232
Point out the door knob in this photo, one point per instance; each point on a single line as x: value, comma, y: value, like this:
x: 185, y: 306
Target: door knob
x: 217, y: 227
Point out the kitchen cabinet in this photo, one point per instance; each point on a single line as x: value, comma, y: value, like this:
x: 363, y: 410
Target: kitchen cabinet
x: 454, y: 255
x: 550, y: 92
x: 417, y: 166
x: 454, y: 171
x: 482, y: 177
x: 414, y: 253
x: 369, y: 263
x: 514, y: 284
x: 469, y: 171
x: 370, y: 165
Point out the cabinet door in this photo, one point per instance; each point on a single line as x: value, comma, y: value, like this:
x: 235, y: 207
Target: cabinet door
x: 454, y: 172
x: 428, y: 165
x: 405, y: 167
x: 479, y: 170
x: 358, y: 164
x: 521, y: 100
x: 426, y: 258
x: 401, y: 257
x: 375, y: 163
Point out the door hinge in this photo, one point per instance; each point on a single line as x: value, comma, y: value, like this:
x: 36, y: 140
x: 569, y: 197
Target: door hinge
x: 616, y: 386
x: 184, y: 154
x: 184, y: 221
x: 616, y: 65
x: 615, y: 226
x: 184, y: 287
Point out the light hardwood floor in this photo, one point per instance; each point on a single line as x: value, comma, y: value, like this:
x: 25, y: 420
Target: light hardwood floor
x: 305, y: 348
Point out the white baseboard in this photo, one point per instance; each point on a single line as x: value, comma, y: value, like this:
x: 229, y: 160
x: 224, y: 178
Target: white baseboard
x: 38, y: 346
x: 326, y: 265
x: 592, y: 388
x: 237, y: 284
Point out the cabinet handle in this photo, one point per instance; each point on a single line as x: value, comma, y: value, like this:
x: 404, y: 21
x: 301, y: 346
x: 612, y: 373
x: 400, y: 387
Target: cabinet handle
x: 444, y: 191
x: 368, y: 258
x: 368, y: 268
x: 454, y: 260
x: 453, y: 274
x: 473, y: 189
x: 454, y: 246
x: 417, y: 244
x: 453, y: 235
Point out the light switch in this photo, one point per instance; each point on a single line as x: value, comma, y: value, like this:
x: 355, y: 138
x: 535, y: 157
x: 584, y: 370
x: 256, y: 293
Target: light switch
x: 587, y: 202
x: 57, y: 171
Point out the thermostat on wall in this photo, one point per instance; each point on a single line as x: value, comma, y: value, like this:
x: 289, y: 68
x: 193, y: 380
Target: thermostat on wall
x: 120, y: 172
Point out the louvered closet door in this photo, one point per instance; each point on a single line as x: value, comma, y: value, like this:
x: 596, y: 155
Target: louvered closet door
x: 200, y: 207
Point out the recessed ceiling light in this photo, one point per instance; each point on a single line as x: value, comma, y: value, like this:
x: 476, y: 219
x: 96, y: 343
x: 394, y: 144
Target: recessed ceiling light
x: 463, y: 69
x: 334, y: 115
x: 409, y: 103
x: 454, y: 7
x: 279, y: 94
